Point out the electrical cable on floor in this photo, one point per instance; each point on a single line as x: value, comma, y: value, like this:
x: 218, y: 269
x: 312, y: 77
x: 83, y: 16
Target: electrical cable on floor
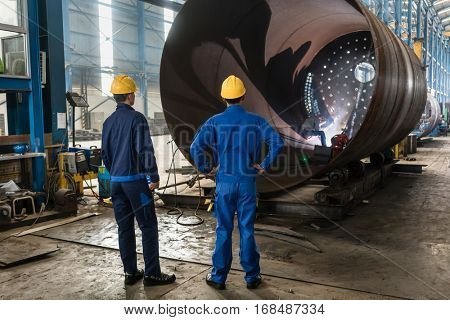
x: 53, y: 184
x: 95, y: 195
x: 91, y: 187
x: 176, y: 211
x: 196, y: 213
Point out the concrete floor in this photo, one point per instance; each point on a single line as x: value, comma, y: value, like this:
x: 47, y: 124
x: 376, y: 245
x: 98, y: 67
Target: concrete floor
x: 404, y: 253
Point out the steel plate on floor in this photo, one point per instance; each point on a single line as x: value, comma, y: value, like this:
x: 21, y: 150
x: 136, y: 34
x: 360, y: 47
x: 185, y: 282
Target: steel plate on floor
x: 15, y: 251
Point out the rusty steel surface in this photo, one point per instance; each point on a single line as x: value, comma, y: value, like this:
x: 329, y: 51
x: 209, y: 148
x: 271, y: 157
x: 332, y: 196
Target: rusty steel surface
x: 331, y: 63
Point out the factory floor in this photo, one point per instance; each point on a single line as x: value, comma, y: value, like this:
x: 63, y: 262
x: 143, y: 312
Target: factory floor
x: 395, y: 246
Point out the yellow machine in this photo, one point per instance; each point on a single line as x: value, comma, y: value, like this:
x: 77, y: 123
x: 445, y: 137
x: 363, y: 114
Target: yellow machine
x: 400, y: 150
x: 68, y: 170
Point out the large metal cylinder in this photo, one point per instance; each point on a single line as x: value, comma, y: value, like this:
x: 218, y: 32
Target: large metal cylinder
x: 331, y: 61
x: 431, y: 118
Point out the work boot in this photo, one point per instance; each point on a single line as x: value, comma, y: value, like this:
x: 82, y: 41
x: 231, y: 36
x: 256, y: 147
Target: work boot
x: 162, y: 279
x: 131, y: 279
x: 215, y: 285
x: 254, y: 284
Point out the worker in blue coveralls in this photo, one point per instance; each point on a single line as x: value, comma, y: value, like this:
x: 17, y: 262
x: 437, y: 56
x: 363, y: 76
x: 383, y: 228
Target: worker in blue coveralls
x: 235, y: 138
x: 128, y: 154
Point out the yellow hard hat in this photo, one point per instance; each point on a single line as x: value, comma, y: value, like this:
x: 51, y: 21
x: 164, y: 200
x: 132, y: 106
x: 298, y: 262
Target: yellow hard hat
x: 233, y: 88
x: 123, y: 85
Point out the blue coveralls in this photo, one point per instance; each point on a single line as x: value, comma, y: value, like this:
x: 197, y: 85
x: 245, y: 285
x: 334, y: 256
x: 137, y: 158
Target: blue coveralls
x: 128, y: 154
x: 235, y: 138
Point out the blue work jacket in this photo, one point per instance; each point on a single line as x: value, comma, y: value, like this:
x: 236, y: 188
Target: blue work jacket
x: 234, y: 138
x: 127, y: 148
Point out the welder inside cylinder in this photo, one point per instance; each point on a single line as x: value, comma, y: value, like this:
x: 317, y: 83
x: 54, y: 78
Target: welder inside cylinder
x: 333, y: 93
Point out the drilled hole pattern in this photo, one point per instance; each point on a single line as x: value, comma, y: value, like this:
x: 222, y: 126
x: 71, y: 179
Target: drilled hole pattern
x: 339, y: 86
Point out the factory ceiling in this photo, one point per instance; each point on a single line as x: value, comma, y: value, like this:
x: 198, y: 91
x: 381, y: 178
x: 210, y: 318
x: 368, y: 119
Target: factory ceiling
x: 443, y: 10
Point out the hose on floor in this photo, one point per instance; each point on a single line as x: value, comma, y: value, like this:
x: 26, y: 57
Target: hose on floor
x: 175, y: 210
x: 53, y: 184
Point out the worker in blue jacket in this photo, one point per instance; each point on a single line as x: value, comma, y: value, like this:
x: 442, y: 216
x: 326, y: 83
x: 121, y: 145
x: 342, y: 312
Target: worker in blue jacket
x: 128, y: 154
x: 235, y: 138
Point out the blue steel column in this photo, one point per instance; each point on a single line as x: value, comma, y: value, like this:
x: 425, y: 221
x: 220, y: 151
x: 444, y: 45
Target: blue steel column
x: 444, y: 64
x: 436, y: 54
x: 440, y: 70
x: 435, y: 42
x: 433, y: 53
x: 398, y: 18
x: 447, y: 67
x: 436, y: 57
x: 410, y: 27
x: 438, y: 67
x: 419, y: 14
x: 431, y: 44
x: 35, y: 98
x: 385, y: 13
x: 54, y: 92
x: 425, y: 44
x: 444, y: 53
x: 446, y: 75
x: 380, y: 12
x: 141, y: 32
x: 439, y: 84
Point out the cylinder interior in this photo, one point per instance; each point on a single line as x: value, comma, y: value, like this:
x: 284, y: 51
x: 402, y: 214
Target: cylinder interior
x: 310, y: 67
x: 332, y: 93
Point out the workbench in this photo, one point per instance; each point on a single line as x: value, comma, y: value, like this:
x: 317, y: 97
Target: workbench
x: 11, y: 157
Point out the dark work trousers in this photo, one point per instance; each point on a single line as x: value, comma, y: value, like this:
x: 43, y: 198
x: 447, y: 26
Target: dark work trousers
x: 130, y: 200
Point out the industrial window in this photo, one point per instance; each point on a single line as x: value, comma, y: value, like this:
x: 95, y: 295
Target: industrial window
x: 13, y: 39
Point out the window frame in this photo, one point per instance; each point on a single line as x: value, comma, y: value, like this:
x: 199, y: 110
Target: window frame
x: 21, y: 31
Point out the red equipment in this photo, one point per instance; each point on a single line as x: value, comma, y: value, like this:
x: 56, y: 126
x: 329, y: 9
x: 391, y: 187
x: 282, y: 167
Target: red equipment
x: 338, y: 143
